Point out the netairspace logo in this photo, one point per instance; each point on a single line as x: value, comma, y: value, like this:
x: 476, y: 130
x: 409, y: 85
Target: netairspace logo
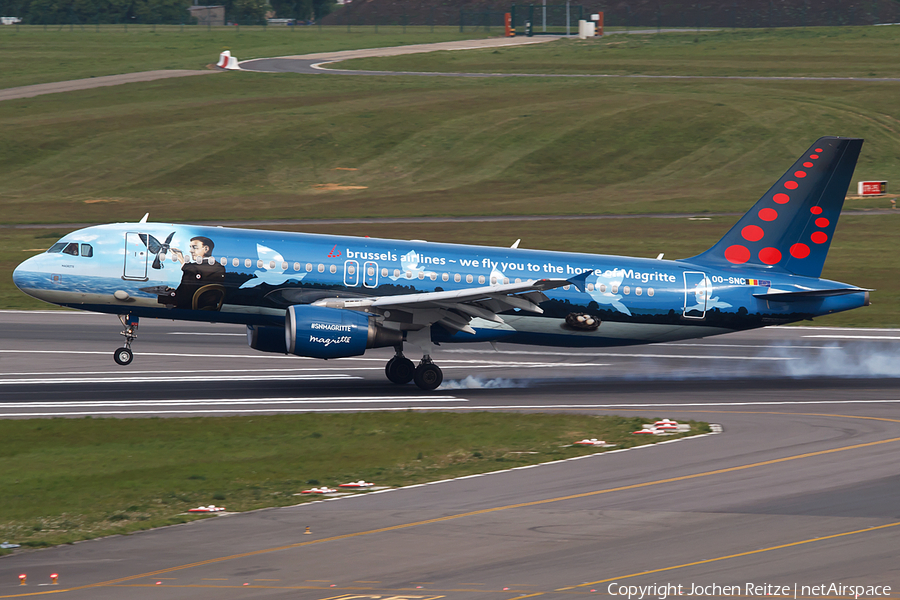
x: 666, y: 590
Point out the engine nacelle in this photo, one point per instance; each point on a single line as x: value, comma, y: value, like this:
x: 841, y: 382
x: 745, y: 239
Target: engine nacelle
x: 266, y: 339
x: 321, y: 332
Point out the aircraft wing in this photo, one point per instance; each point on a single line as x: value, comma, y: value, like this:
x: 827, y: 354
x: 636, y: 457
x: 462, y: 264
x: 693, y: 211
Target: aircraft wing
x: 454, y: 309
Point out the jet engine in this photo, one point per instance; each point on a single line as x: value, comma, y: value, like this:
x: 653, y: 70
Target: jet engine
x: 322, y: 332
x: 266, y: 339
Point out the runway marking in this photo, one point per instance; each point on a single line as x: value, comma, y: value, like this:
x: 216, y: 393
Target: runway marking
x: 855, y: 337
x: 205, y: 333
x: 168, y: 379
x: 771, y: 346
x: 446, y: 518
x: 424, y: 409
x: 711, y: 560
x: 200, y: 402
x: 622, y: 355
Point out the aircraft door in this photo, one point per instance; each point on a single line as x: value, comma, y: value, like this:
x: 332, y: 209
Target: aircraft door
x: 136, y: 255
x: 697, y: 288
x: 351, y: 273
x: 370, y: 274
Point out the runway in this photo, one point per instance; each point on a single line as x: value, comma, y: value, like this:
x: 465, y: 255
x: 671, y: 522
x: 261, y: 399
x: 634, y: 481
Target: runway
x: 800, y: 488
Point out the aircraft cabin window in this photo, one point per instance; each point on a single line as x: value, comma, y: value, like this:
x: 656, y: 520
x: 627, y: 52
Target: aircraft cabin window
x: 518, y: 280
x: 370, y: 271
x: 638, y: 291
x: 321, y: 268
x: 590, y: 287
x: 457, y: 278
x: 333, y: 269
x: 493, y: 280
x: 247, y: 263
x: 615, y: 288
x: 87, y: 250
x: 421, y: 275
x: 445, y: 277
x: 409, y: 274
x: 271, y: 264
x: 71, y: 249
x: 602, y: 288
x: 223, y: 261
x: 284, y: 266
x: 505, y: 280
x: 481, y: 279
x: 235, y: 262
x: 259, y: 264
x: 384, y: 272
x: 57, y: 247
x: 309, y: 267
x: 566, y: 287
x: 396, y: 272
x: 351, y: 270
x: 650, y: 292
x: 469, y: 279
x: 626, y: 290
x: 296, y: 266
x: 433, y: 276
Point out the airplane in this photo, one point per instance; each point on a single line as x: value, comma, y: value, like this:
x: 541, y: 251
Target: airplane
x: 328, y: 296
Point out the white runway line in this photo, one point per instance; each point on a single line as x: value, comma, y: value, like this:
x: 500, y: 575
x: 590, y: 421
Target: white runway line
x: 774, y: 346
x: 166, y: 379
x: 226, y: 401
x: 855, y: 337
x: 624, y: 355
x: 243, y: 335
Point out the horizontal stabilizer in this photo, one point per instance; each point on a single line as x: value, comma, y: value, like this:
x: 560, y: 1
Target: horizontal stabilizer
x: 789, y: 296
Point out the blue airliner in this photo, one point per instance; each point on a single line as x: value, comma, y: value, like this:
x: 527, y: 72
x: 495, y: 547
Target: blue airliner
x: 327, y: 296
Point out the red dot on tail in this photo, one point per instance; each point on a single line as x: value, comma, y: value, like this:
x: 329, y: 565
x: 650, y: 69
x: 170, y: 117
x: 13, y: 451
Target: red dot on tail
x: 791, y: 185
x: 816, y: 210
x: 781, y: 198
x: 768, y: 214
x: 814, y: 156
x: 819, y: 150
x: 737, y: 254
x: 822, y: 222
x: 808, y: 165
x: 752, y: 233
x: 799, y: 250
x: 800, y: 174
x: 769, y: 256
x: 819, y: 237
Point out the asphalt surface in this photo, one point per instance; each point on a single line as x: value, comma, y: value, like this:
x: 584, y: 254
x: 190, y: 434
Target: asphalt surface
x: 800, y: 488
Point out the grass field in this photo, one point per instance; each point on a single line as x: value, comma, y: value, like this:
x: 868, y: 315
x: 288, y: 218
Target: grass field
x: 257, y: 146
x: 69, y: 479
x: 805, y: 52
x: 33, y: 55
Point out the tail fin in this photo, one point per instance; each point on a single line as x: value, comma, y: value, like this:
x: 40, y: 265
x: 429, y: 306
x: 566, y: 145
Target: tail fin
x: 790, y: 227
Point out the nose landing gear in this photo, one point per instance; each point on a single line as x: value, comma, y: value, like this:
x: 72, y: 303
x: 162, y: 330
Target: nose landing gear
x: 124, y: 355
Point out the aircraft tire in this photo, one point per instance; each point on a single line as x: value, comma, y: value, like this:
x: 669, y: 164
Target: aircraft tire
x: 428, y: 376
x: 400, y: 370
x: 123, y: 356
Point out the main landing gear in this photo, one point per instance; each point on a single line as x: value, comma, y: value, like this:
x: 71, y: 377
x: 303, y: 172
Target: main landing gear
x: 124, y: 355
x: 401, y: 370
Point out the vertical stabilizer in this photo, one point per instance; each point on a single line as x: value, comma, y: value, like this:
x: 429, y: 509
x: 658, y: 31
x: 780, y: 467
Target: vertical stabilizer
x: 790, y: 227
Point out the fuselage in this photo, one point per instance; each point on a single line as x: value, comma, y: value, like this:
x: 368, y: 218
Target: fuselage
x: 251, y: 277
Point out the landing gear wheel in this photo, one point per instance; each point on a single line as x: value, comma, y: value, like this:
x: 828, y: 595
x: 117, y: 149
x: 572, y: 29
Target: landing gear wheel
x: 428, y: 376
x: 123, y: 356
x: 400, y: 370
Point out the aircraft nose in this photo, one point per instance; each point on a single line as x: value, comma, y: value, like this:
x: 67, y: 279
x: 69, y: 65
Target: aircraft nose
x: 22, y: 272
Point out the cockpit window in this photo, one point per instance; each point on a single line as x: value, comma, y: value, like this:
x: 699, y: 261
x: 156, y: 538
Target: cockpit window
x: 87, y: 250
x: 71, y: 248
x: 57, y: 247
